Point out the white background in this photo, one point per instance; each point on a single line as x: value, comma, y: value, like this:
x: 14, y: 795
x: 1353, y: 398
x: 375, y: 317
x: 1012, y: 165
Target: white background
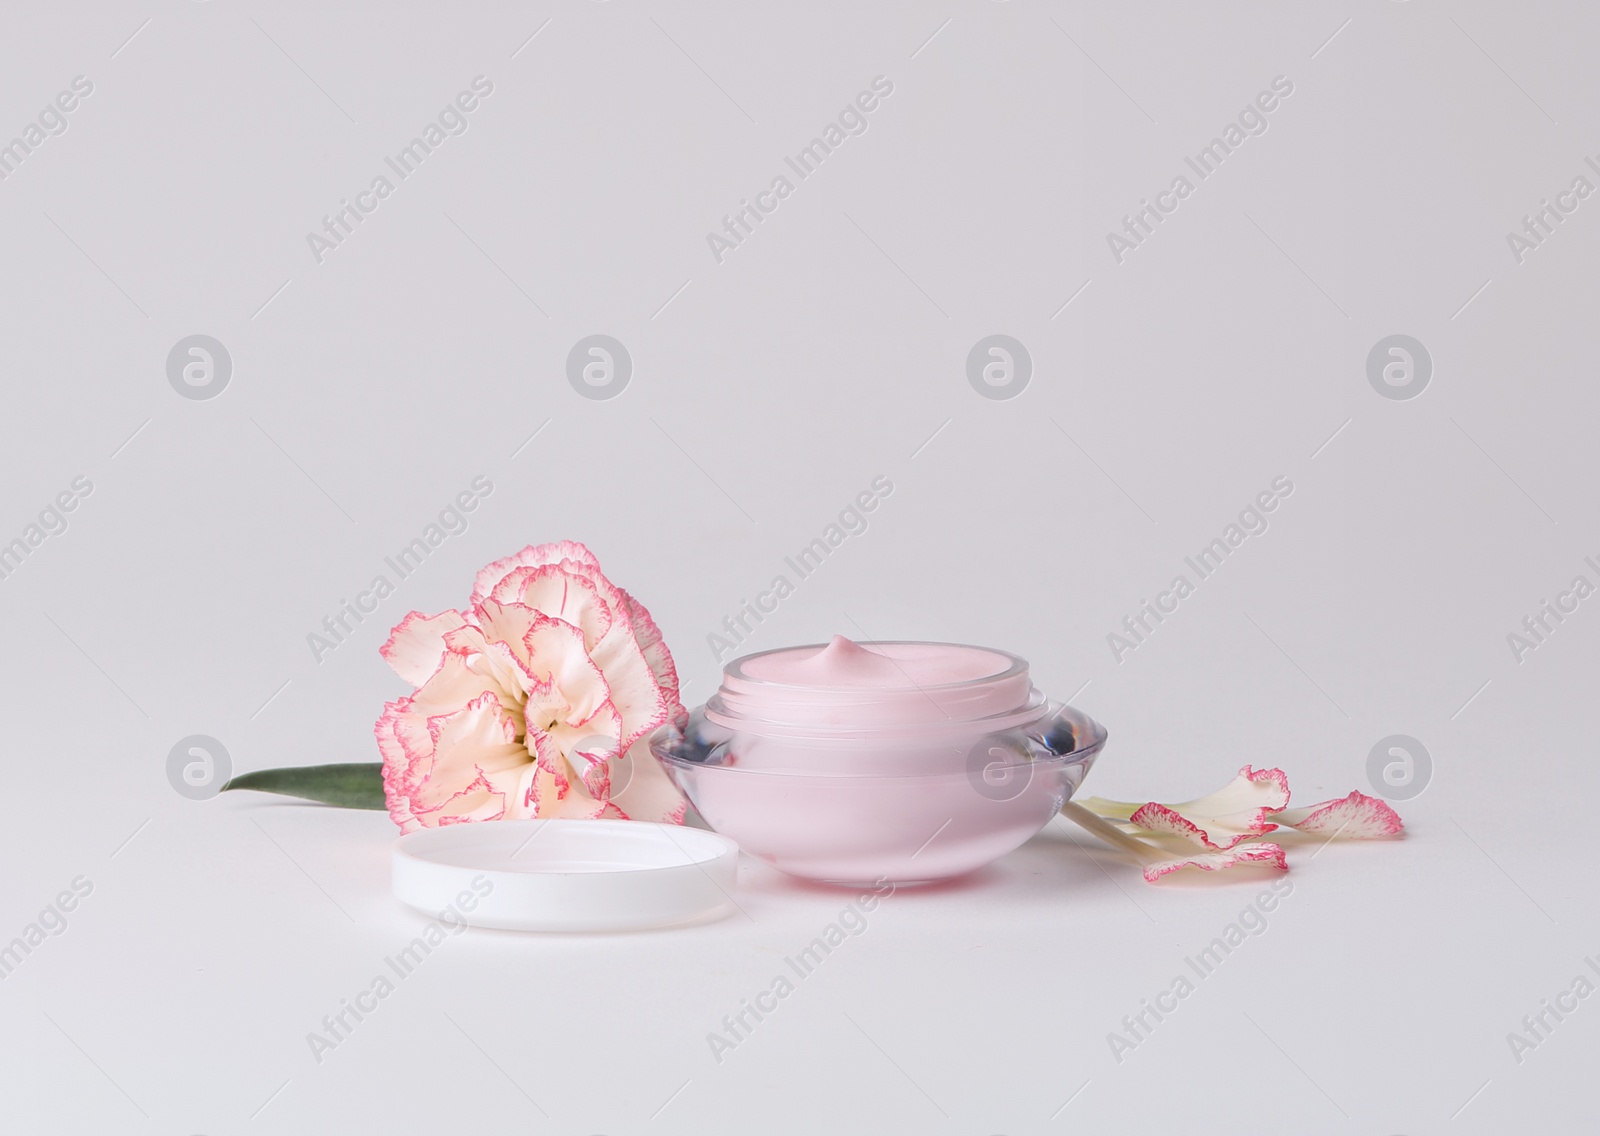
x: 767, y: 390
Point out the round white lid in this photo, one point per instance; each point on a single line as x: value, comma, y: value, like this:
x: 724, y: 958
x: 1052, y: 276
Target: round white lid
x: 567, y: 875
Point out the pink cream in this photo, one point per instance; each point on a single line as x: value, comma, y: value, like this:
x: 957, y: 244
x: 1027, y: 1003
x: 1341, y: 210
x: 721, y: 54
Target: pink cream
x: 887, y: 666
x: 848, y: 691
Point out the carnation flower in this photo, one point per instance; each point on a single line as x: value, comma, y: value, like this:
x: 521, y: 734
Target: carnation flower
x: 531, y: 701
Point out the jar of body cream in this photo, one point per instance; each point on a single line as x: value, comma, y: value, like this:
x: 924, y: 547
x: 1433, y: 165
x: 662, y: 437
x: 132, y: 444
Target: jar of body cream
x: 858, y: 763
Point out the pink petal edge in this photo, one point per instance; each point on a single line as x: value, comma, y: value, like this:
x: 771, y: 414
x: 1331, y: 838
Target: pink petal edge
x: 1357, y: 817
x: 1156, y: 817
x: 1264, y: 852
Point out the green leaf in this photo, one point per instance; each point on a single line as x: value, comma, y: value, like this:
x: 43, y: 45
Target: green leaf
x: 358, y: 785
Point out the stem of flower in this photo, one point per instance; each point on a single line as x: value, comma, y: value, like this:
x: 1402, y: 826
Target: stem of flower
x: 1113, y: 810
x: 1098, y: 826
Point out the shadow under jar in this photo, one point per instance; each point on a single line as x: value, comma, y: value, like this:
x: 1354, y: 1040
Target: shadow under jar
x: 856, y: 764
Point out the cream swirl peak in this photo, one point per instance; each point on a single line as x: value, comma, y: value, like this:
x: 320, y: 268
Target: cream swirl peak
x: 879, y: 666
x: 872, y: 687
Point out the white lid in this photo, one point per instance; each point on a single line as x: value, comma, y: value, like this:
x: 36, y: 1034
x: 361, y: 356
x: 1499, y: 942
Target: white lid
x: 567, y: 875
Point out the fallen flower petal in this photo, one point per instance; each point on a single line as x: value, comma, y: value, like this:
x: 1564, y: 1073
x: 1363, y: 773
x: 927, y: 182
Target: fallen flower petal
x: 1217, y: 821
x: 1157, y: 861
x: 1356, y: 817
x: 1254, y: 852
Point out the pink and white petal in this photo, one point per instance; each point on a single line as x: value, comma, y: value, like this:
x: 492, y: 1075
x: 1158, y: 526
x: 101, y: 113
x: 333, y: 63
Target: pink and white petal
x: 1260, y: 852
x: 601, y: 731
x: 634, y: 690
x: 482, y: 729
x: 532, y: 556
x: 546, y: 659
x: 1214, y: 833
x: 499, y: 662
x: 1251, y: 792
x: 461, y: 678
x: 475, y: 753
x: 407, y: 784
x: 1167, y: 821
x: 500, y: 647
x: 400, y: 767
x: 545, y: 753
x: 568, y: 596
x: 643, y: 791
x: 594, y: 757
x: 407, y: 744
x: 568, y: 687
x: 552, y: 795
x: 476, y: 801
x: 1356, y: 817
x: 416, y: 646
x: 548, y: 782
x: 654, y: 648
x: 1222, y: 819
x: 542, y: 793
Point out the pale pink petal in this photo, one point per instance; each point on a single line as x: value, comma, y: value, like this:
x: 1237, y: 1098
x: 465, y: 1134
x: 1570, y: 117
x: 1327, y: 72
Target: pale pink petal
x: 593, y: 758
x: 643, y: 791
x: 1222, y: 819
x: 569, y: 688
x: 492, y: 648
x: 1356, y: 817
x: 462, y: 677
x: 600, y: 732
x: 549, y: 779
x: 399, y: 766
x: 461, y: 765
x: 552, y: 795
x: 654, y: 647
x: 634, y: 691
x: 532, y: 556
x: 415, y: 647
x: 560, y: 594
x: 1258, y: 852
x: 480, y: 799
